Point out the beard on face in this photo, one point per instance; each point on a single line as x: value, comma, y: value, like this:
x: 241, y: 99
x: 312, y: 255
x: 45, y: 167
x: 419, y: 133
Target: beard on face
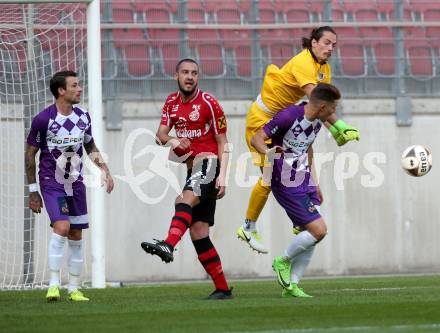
x: 184, y: 91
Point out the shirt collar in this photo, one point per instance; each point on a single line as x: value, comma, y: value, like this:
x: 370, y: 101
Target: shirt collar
x: 316, y: 59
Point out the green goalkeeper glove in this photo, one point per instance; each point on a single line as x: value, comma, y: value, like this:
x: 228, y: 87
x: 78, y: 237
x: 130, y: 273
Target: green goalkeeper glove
x: 342, y: 132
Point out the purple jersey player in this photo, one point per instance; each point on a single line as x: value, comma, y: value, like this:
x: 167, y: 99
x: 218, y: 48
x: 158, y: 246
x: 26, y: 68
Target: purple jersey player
x: 293, y: 131
x: 61, y: 132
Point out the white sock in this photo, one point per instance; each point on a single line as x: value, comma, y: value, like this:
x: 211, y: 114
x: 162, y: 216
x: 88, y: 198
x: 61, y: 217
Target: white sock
x: 249, y: 225
x: 55, y: 258
x: 75, y: 264
x: 300, y: 263
x: 299, y: 244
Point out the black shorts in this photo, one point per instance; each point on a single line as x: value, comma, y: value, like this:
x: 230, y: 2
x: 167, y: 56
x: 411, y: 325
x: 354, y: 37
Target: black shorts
x: 201, y: 180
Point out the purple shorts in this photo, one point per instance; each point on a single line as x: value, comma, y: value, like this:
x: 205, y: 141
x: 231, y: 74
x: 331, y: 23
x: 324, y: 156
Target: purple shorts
x: 60, y: 206
x: 301, y: 208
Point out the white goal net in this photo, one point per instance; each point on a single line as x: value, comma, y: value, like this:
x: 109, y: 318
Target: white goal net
x: 36, y: 40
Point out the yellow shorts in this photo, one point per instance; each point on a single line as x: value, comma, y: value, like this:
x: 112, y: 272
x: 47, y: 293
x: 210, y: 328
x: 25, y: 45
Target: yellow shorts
x: 256, y: 119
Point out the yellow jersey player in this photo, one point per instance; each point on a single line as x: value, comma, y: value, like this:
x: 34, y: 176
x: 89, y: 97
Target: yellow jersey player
x: 281, y: 88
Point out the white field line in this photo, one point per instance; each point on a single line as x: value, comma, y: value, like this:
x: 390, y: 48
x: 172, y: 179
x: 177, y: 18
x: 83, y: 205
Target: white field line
x: 396, y: 328
x: 382, y: 289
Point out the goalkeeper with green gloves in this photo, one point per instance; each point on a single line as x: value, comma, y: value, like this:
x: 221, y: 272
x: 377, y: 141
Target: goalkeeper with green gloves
x: 281, y: 88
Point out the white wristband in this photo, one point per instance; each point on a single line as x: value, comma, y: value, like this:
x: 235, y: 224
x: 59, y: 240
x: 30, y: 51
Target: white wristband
x: 33, y: 187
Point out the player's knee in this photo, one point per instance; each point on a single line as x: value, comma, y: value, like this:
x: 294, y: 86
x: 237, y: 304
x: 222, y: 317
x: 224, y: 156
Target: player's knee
x: 199, y: 230
x: 320, y: 233
x: 187, y: 198
x: 61, y: 228
x: 75, y: 234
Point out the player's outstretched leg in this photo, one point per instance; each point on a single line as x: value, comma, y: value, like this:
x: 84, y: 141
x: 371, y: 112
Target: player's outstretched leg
x: 248, y: 231
x: 180, y: 223
x: 159, y: 248
x: 252, y: 237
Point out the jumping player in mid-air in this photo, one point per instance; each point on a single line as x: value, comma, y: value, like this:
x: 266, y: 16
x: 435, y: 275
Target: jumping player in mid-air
x: 281, y: 88
x: 293, y: 131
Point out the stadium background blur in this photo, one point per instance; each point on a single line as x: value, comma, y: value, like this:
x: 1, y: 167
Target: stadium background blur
x: 386, y: 66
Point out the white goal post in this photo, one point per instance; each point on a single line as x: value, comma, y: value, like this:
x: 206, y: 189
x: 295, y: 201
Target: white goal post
x: 24, y: 91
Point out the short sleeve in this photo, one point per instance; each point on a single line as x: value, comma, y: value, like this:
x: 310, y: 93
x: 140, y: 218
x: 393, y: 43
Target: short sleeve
x: 37, y: 131
x: 217, y: 114
x: 88, y: 137
x: 280, y: 123
x: 166, y: 120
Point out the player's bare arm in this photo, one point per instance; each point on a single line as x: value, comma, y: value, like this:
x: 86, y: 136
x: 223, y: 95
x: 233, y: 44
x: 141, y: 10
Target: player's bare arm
x: 163, y: 137
x: 96, y: 157
x: 223, y: 151
x: 258, y: 141
x: 35, y: 201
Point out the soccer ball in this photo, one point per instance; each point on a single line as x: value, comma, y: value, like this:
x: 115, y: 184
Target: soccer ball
x: 416, y: 160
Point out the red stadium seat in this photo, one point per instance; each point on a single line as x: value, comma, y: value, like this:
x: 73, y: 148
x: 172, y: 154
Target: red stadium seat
x: 211, y: 59
x: 420, y: 59
x: 353, y: 59
x: 239, y: 43
x: 209, y: 51
x: 429, y: 9
x: 418, y: 52
x: 338, y: 11
x: 225, y: 11
x: 365, y: 10
x: 124, y: 37
x: 293, y: 11
x: 196, y: 12
x: 136, y: 51
x: 381, y: 41
x: 243, y: 59
x: 138, y: 59
x: 266, y: 12
x: 122, y: 12
x: 352, y: 52
x: 388, y: 8
x: 373, y: 35
x: 154, y: 11
x: 384, y: 58
x: 431, y: 13
x: 170, y: 56
x: 279, y: 44
x: 316, y: 10
x: 167, y: 41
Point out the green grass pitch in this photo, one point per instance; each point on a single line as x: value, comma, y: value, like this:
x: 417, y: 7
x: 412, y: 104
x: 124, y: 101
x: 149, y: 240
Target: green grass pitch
x: 374, y: 304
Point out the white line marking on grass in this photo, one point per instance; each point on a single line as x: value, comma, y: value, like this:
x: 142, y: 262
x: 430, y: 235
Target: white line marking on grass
x: 382, y: 289
x: 412, y: 328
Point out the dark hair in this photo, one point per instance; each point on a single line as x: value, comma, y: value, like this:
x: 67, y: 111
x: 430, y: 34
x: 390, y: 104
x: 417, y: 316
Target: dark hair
x: 59, y: 81
x: 325, y: 92
x: 316, y: 34
x: 185, y: 60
